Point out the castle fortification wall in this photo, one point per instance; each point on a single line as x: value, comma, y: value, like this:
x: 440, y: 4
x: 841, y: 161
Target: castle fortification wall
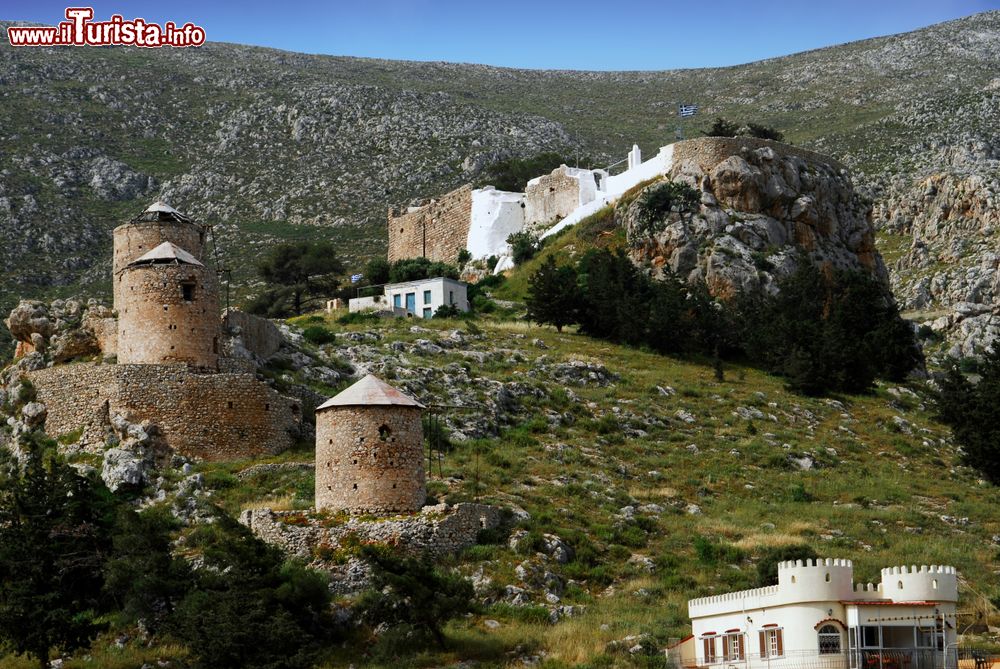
x: 157, y: 323
x: 210, y: 416
x: 437, y: 230
x: 707, y: 152
x: 551, y: 196
x: 260, y: 336
x: 359, y: 469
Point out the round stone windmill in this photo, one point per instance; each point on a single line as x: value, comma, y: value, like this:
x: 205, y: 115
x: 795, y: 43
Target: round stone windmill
x: 168, y: 310
x: 369, y: 451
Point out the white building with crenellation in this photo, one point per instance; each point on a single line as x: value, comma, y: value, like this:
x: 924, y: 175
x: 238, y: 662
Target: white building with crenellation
x: 816, y: 616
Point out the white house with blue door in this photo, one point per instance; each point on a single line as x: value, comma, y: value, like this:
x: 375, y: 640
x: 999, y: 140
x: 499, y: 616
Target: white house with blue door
x: 416, y: 298
x: 816, y: 617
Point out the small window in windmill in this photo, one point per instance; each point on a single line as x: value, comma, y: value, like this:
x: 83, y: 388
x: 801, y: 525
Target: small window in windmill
x: 384, y: 432
x: 187, y: 290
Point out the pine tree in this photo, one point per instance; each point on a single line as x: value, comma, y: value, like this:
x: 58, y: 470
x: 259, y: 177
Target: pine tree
x: 973, y: 412
x: 413, y: 593
x: 55, y: 539
x: 553, y: 295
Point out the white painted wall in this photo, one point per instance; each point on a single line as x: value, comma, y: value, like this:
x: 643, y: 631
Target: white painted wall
x: 812, y: 593
x: 441, y: 291
x: 496, y: 214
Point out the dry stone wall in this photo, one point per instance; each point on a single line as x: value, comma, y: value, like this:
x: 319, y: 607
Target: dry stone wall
x: 552, y: 196
x: 168, y: 314
x: 369, y: 459
x: 210, y: 416
x: 439, y: 530
x: 437, y: 230
x: 707, y: 152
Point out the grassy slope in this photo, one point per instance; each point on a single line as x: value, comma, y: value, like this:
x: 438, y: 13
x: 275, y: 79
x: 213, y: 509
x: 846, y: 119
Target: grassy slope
x: 877, y: 496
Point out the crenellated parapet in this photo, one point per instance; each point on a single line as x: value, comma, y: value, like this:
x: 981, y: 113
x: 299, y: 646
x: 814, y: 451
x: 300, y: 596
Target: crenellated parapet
x: 924, y: 583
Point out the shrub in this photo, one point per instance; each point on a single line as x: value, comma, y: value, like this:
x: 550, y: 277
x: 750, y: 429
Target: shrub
x: 513, y: 174
x: 447, y: 311
x: 656, y: 203
x: 317, y: 334
x: 463, y: 257
x: 523, y: 246
x: 767, y: 563
x: 412, y: 594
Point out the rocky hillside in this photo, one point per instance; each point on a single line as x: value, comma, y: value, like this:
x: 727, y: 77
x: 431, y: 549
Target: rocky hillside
x: 763, y: 207
x: 273, y: 145
x: 635, y: 481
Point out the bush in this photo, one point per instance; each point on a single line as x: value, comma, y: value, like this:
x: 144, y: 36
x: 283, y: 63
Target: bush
x: 656, y: 203
x: 412, y: 594
x: 447, y: 311
x: 513, y: 174
x: 767, y: 563
x: 250, y: 608
x: 722, y: 128
x: 317, y: 334
x: 415, y: 269
x: 463, y: 257
x: 523, y: 246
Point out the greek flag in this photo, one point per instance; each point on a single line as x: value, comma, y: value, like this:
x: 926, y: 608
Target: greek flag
x: 356, y: 277
x: 687, y: 110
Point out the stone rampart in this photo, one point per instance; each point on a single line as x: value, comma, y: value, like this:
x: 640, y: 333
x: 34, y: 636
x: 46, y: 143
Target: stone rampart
x: 259, y: 335
x: 211, y: 416
x: 707, y: 152
x: 437, y: 230
x: 439, y: 530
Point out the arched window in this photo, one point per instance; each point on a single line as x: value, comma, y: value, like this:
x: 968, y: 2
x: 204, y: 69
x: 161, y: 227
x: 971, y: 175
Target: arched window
x: 828, y: 577
x: 384, y: 432
x: 829, y: 640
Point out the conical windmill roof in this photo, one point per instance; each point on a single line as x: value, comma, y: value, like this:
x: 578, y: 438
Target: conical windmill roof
x: 165, y: 253
x: 370, y: 391
x: 161, y: 211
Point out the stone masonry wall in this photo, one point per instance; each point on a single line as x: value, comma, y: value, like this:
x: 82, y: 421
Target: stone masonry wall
x: 439, y: 530
x: 210, y: 416
x: 260, y: 336
x: 132, y: 240
x: 437, y: 230
x: 553, y: 196
x: 359, y: 470
x: 156, y: 324
x: 707, y: 152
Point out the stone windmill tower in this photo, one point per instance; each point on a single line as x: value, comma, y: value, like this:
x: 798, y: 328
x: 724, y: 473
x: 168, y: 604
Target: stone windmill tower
x: 369, y: 451
x: 167, y: 300
x: 157, y: 224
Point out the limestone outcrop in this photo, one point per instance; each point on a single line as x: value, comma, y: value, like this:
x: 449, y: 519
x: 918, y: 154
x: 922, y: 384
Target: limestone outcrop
x: 946, y: 227
x: 763, y: 207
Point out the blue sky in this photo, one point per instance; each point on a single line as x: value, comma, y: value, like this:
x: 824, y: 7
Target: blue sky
x: 584, y: 34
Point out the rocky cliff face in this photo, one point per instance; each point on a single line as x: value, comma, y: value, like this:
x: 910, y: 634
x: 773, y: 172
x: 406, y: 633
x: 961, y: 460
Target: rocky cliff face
x: 764, y: 207
x: 945, y: 226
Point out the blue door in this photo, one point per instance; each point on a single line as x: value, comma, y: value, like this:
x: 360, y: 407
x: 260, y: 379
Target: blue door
x: 411, y: 302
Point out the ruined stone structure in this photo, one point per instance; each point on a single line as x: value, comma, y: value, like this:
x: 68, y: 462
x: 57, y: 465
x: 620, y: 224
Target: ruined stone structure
x: 438, y: 530
x: 168, y: 310
x: 437, y: 230
x: 554, y: 196
x: 211, y: 416
x: 157, y: 224
x: 369, y: 451
x: 170, y: 369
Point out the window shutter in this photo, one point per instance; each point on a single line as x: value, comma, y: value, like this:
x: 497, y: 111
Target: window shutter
x: 763, y: 643
x: 740, y: 650
x: 781, y: 646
